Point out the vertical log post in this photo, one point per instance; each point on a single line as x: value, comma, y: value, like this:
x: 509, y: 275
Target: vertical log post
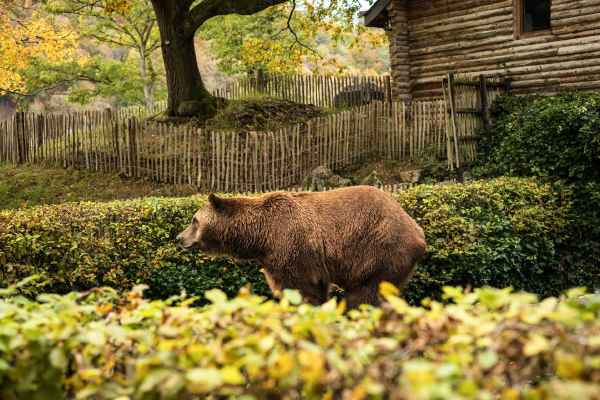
x: 131, y: 129
x: 21, y: 143
x: 483, y: 95
x: 452, y: 96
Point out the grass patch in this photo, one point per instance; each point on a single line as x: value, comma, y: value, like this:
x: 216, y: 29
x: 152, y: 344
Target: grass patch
x: 26, y: 186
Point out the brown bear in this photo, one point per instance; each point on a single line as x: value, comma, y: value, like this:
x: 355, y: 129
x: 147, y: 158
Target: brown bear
x: 354, y: 237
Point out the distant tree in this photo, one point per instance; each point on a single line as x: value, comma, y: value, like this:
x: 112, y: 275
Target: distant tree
x: 128, y: 24
x: 26, y: 38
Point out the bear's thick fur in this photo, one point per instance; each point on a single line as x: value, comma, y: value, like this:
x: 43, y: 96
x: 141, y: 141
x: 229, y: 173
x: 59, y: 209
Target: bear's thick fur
x: 353, y: 237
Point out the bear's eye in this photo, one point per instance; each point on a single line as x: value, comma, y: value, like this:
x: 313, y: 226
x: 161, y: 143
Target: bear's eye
x: 194, y: 221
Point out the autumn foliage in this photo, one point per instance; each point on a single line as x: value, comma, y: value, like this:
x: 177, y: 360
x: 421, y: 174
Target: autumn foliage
x: 24, y: 41
x: 488, y: 344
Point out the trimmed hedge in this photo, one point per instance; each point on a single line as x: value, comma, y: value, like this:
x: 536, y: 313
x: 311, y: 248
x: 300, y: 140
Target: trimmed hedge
x: 489, y: 344
x: 503, y: 232
x: 118, y: 244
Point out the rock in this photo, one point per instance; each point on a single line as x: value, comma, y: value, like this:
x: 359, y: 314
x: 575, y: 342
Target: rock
x: 411, y: 176
x: 358, y: 95
x: 338, y: 181
x: 372, y: 180
x: 321, y: 172
x: 322, y: 178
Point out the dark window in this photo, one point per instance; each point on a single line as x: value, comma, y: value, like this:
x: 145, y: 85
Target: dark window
x: 536, y: 15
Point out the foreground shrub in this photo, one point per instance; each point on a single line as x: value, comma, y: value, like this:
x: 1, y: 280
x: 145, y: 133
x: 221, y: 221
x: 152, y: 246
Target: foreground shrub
x: 548, y: 136
x: 484, y: 345
x: 504, y: 232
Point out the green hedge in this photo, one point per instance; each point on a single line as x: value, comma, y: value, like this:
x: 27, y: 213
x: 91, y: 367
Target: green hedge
x: 548, y: 136
x: 118, y: 244
x: 503, y: 232
x: 557, y: 138
x: 489, y: 344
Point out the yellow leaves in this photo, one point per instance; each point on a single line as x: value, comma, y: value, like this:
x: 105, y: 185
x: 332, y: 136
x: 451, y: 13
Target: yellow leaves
x: 568, y: 366
x: 275, y: 56
x: 232, y: 376
x: 215, y: 296
x: 312, y: 365
x: 22, y: 42
x: 429, y: 352
x: 487, y: 359
x: 58, y: 359
x: 510, y: 394
x: 92, y: 375
x: 202, y: 380
x: 535, y: 345
x: 388, y: 290
x: 104, y: 308
x: 282, y: 365
x: 117, y: 6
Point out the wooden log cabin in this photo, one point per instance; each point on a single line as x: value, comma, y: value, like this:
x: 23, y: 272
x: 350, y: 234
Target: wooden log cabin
x: 539, y: 45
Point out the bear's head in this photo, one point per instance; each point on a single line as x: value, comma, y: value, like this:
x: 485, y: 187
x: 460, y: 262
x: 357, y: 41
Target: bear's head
x: 209, y: 226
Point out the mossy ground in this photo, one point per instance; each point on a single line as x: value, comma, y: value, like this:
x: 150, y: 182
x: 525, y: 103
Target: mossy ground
x: 261, y: 113
x: 26, y: 186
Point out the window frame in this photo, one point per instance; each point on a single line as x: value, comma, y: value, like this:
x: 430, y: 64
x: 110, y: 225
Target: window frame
x: 518, y: 11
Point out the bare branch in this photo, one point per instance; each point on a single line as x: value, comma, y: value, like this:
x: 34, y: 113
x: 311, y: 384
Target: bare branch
x: 290, y: 29
x: 51, y: 87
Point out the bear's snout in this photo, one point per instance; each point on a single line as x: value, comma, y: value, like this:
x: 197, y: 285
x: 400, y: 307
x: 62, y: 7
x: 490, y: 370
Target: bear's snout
x: 184, y: 241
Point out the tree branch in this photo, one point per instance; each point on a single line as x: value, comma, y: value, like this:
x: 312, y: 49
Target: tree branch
x: 55, y: 85
x: 289, y: 28
x: 207, y: 9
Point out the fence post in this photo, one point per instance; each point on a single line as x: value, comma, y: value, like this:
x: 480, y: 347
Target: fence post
x: 131, y: 130
x: 452, y: 97
x: 507, y: 85
x: 483, y: 95
x: 388, y: 88
x: 21, y: 143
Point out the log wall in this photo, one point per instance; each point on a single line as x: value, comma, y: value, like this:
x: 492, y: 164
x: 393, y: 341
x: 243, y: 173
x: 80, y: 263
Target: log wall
x: 399, y: 50
x: 479, y: 37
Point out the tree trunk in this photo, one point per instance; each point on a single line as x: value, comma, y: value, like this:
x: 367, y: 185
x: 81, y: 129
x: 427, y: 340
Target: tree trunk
x: 146, y: 76
x: 187, y: 94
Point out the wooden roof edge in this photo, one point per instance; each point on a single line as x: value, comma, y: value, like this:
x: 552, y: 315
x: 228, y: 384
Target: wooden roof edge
x: 376, y: 16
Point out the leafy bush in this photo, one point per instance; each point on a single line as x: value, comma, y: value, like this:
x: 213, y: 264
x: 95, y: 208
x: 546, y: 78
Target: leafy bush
x: 555, y: 137
x: 548, y: 136
x: 504, y: 232
x: 484, y: 345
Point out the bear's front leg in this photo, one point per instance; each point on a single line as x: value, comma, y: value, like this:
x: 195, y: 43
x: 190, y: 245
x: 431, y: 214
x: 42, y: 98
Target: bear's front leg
x: 274, y: 286
x: 314, y: 294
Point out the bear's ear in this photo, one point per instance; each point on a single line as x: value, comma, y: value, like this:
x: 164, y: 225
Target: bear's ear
x: 219, y: 203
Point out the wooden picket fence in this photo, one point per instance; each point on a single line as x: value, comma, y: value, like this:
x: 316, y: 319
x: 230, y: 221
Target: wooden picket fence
x: 322, y: 91
x: 126, y: 142
x: 225, y: 160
